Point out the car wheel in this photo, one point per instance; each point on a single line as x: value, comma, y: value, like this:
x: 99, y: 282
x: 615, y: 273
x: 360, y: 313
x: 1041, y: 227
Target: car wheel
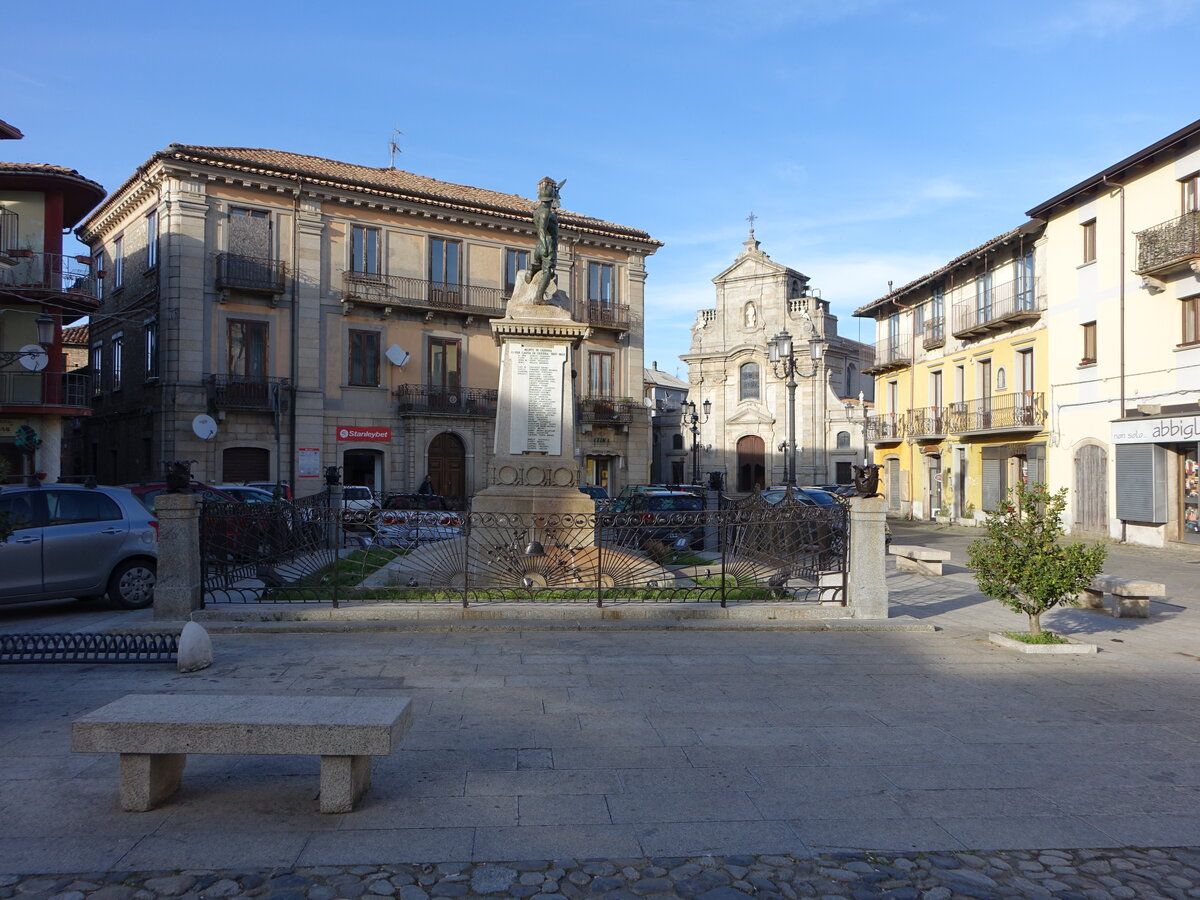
x: 132, y: 584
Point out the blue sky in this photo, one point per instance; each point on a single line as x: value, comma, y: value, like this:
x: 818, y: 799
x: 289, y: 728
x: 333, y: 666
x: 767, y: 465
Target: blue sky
x: 874, y: 139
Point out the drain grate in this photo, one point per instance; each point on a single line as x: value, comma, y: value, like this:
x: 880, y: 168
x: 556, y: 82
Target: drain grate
x: 88, y: 647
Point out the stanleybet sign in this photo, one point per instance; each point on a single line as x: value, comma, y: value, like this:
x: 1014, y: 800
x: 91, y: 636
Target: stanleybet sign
x: 1184, y: 429
x: 356, y: 433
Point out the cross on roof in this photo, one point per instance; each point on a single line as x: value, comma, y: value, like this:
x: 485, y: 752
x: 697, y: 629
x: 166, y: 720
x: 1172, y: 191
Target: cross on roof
x: 752, y: 218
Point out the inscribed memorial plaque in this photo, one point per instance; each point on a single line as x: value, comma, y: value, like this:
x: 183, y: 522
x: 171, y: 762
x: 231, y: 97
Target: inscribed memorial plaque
x: 537, y: 390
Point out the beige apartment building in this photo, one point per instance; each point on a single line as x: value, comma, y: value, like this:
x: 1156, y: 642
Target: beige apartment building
x: 741, y: 391
x: 328, y: 314
x: 1122, y: 271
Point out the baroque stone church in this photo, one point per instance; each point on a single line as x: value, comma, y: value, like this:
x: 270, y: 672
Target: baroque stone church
x: 744, y: 442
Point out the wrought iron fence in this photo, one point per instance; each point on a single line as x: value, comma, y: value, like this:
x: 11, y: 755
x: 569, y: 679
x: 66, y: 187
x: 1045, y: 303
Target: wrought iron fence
x: 1169, y: 243
x: 606, y: 410
x: 420, y: 293
x: 1020, y: 298
x: 250, y: 273
x: 747, y: 551
x: 38, y: 273
x: 243, y: 391
x: 424, y: 399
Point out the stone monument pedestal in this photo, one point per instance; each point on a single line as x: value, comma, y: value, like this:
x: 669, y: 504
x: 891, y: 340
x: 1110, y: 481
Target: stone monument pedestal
x: 534, y: 471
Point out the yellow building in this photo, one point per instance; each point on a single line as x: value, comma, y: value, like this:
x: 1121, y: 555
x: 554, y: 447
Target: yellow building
x: 960, y: 382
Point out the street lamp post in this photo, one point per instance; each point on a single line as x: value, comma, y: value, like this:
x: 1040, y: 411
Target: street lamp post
x: 782, y: 354
x: 692, y: 421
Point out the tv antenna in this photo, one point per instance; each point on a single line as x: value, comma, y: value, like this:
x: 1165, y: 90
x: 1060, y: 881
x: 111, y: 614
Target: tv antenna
x: 394, y: 147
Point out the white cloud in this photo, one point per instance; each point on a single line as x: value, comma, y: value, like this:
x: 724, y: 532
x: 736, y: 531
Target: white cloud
x: 1097, y: 19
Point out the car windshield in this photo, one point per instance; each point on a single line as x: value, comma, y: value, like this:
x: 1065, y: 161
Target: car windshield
x: 673, y: 503
x: 357, y: 493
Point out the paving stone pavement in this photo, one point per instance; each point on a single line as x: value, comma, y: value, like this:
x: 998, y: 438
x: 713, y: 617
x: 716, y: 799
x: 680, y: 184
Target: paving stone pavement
x: 922, y: 765
x: 1043, y: 875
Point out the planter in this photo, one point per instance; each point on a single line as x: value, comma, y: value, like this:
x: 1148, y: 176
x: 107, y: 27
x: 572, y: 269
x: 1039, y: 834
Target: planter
x: 942, y: 520
x: 1071, y: 648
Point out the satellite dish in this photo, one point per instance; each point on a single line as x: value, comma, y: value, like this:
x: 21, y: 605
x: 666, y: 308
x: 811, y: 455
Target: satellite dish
x: 204, y: 426
x: 396, y: 356
x: 34, y: 358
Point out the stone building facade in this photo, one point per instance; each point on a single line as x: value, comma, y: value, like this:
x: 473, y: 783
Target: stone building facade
x: 324, y: 313
x: 744, y: 442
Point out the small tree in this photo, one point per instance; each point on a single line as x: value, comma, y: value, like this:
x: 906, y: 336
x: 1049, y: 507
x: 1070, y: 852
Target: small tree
x: 1021, y: 562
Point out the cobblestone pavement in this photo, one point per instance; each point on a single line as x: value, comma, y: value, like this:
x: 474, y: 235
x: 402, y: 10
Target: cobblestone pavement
x: 1042, y: 875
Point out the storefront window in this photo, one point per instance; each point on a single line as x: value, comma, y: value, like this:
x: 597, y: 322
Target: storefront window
x: 1191, y: 495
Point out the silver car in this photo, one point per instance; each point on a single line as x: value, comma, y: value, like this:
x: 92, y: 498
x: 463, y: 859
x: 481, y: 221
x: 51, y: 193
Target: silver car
x: 68, y: 540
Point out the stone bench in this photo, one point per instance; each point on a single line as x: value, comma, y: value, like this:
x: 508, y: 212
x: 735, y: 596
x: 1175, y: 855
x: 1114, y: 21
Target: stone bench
x: 154, y: 733
x: 921, y: 560
x: 1131, y: 596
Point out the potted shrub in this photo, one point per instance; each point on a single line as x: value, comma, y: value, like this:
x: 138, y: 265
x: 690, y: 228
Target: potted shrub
x: 1022, y: 561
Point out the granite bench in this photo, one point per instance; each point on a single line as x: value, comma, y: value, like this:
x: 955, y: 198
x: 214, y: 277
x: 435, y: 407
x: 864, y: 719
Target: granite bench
x: 154, y: 733
x: 921, y: 560
x: 1131, y: 596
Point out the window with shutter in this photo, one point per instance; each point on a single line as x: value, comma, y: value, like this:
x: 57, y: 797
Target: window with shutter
x: 993, y: 484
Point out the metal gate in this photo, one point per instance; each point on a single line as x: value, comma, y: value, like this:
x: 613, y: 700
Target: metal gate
x: 745, y: 551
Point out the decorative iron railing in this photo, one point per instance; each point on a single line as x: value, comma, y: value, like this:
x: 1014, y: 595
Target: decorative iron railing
x: 891, y: 353
x: 420, y: 293
x: 1007, y: 412
x: 426, y: 400
x: 748, y: 551
x: 929, y: 421
x: 606, y: 410
x: 603, y: 315
x: 30, y: 273
x: 22, y: 388
x: 250, y: 273
x: 934, y: 334
x: 1169, y: 244
x: 1011, y: 301
x: 887, y: 427
x: 243, y: 392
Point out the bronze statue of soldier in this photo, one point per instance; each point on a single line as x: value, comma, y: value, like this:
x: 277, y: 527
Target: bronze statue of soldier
x: 545, y: 252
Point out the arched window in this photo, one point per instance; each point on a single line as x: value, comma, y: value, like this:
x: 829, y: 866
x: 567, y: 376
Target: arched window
x: 843, y: 440
x: 677, y: 442
x: 748, y: 382
x: 851, y: 376
x: 1001, y: 380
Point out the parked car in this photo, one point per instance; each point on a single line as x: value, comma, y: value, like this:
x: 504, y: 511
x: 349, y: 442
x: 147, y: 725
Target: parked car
x: 595, y: 491
x: 668, y: 516
x: 418, y: 509
x: 245, y: 493
x: 358, y: 503
x: 285, y: 490
x: 69, y: 540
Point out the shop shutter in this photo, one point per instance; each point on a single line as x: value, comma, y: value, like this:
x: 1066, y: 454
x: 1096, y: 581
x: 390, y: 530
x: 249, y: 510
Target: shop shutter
x: 993, y: 483
x: 1142, y: 483
x: 246, y: 464
x: 893, y: 485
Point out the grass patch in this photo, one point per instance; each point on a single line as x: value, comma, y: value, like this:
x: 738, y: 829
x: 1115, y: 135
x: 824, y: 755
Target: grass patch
x: 687, y: 558
x: 1046, y: 637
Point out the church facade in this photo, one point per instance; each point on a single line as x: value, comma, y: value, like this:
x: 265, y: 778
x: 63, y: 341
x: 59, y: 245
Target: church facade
x: 745, y: 438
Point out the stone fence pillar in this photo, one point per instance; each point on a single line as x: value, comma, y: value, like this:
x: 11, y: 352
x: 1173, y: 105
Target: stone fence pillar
x: 866, y: 588
x: 178, y: 590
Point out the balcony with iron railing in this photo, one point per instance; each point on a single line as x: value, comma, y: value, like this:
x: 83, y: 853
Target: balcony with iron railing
x: 246, y: 392
x: 1021, y: 412
x: 926, y: 423
x: 428, y: 400
x: 886, y: 428
x: 1169, y: 246
x: 250, y: 273
x: 422, y: 294
x: 603, y: 315
x: 69, y: 390
x: 606, y: 410
x: 934, y: 333
x: 890, y: 354
x: 1016, y: 302
x: 66, y: 280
